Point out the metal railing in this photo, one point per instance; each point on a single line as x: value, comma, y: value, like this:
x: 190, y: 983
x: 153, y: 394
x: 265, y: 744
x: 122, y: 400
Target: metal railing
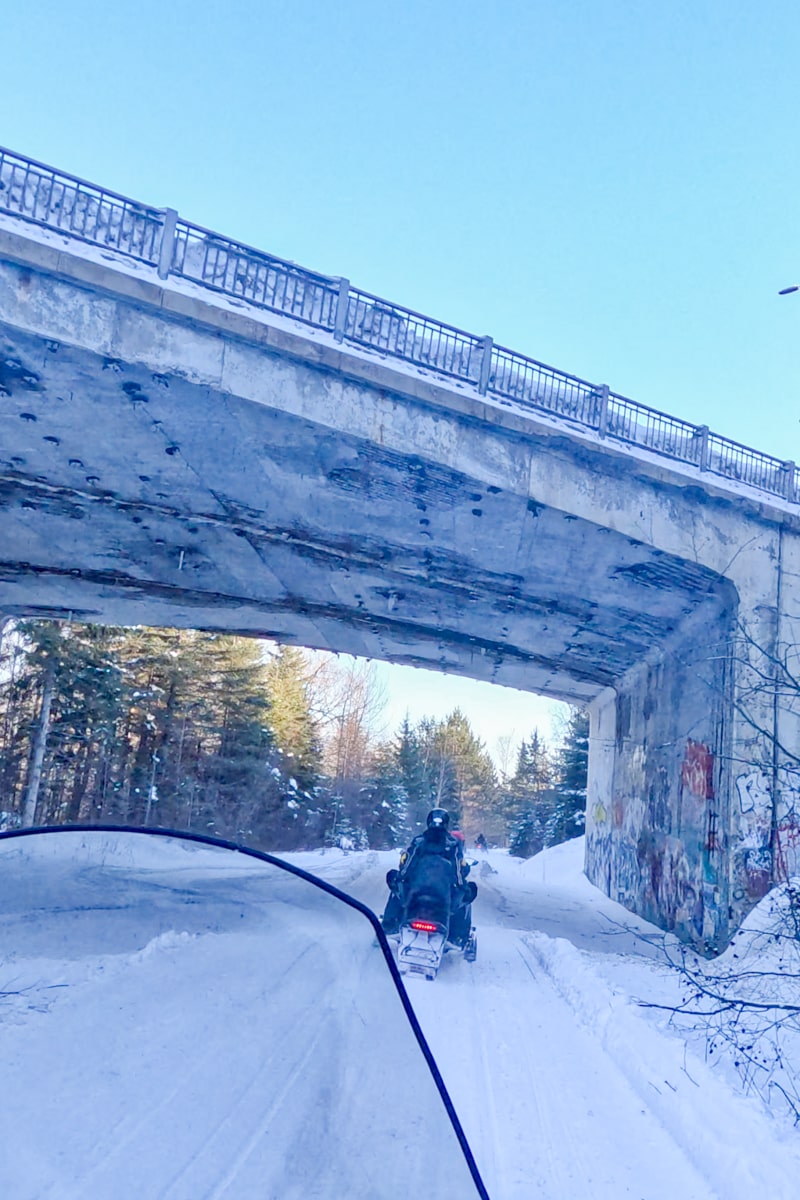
x: 238, y: 270
x: 158, y: 237
x: 31, y: 190
x: 409, y: 335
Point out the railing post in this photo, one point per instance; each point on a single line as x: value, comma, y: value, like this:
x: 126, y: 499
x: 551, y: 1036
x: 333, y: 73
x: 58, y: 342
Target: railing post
x: 602, y: 416
x: 342, y: 301
x: 486, y: 365
x: 167, y: 248
x: 790, y: 469
x: 701, y: 433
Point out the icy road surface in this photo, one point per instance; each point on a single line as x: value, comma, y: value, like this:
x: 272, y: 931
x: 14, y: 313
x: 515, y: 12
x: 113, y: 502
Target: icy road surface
x: 149, y: 1042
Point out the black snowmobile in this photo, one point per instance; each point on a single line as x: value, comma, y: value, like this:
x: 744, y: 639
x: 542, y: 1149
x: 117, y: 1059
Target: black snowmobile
x: 430, y: 903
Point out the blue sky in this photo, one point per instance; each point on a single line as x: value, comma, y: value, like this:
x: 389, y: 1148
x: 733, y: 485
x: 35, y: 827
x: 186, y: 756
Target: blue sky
x: 611, y: 186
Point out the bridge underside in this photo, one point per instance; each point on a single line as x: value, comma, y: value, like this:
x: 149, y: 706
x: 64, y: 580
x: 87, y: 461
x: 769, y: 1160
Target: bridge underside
x: 166, y: 461
x: 129, y: 497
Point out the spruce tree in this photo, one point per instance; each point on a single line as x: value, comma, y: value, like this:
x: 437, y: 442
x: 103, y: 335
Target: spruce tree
x: 458, y: 771
x: 529, y: 798
x: 290, y: 714
x: 569, y: 810
x: 146, y: 726
x: 385, y: 801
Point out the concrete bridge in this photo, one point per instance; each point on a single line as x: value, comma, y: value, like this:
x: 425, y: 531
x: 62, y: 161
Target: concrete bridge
x: 194, y: 433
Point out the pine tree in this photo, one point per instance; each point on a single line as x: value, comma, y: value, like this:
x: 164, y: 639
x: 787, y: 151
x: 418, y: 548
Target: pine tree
x: 161, y: 727
x: 412, y: 774
x: 88, y: 705
x: 290, y: 714
x: 529, y: 799
x: 13, y: 749
x: 569, y: 810
x: 384, y: 801
x: 458, y: 772
x: 66, y: 668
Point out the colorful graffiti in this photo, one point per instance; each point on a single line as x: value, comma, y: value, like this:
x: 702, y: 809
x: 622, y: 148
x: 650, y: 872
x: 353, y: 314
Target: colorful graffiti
x: 671, y: 890
x: 614, y: 867
x: 697, y: 770
x: 697, y: 787
x: 661, y: 849
x: 758, y: 871
x: 680, y: 897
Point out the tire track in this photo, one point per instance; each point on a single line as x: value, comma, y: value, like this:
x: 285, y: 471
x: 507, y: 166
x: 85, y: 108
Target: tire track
x: 534, y: 1091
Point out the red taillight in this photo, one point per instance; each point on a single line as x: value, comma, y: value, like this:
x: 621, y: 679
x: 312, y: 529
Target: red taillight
x: 425, y: 926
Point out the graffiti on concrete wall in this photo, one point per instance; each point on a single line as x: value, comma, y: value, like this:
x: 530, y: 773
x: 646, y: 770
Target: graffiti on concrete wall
x: 698, y: 808
x: 764, y: 858
x: 658, y: 842
x: 697, y: 771
x: 787, y: 817
x: 680, y: 897
x: 675, y: 847
x: 614, y: 866
x: 755, y: 831
x: 672, y: 884
x: 628, y: 873
x: 638, y: 852
x: 755, y: 809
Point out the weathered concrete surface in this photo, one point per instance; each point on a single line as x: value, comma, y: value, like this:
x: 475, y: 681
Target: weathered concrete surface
x: 168, y: 459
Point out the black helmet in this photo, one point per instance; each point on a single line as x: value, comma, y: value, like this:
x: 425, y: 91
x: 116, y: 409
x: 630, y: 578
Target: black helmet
x: 438, y: 818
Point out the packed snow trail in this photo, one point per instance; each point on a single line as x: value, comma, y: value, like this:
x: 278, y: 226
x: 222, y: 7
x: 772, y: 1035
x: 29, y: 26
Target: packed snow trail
x: 179, y: 1022
x: 147, y: 1041
x: 566, y: 1090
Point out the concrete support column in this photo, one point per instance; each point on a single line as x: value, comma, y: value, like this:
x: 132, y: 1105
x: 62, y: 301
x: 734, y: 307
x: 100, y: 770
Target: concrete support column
x: 658, y: 803
x: 694, y: 788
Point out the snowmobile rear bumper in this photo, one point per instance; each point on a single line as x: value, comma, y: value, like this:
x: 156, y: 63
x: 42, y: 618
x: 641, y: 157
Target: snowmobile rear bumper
x: 420, y: 953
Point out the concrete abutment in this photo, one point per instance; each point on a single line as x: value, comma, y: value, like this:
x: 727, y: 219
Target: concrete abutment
x: 658, y: 805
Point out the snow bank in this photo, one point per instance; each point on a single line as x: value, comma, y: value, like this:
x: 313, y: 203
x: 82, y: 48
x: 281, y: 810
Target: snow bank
x: 724, y: 1134
x: 561, y: 864
x: 145, y: 851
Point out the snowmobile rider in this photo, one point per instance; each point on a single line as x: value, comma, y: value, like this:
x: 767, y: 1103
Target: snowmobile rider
x: 435, y: 839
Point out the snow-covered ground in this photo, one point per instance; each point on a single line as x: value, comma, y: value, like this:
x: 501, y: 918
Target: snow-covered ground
x: 566, y: 1086
x: 161, y: 1033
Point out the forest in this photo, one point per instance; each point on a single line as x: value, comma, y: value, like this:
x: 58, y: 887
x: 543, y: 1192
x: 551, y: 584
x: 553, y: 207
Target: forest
x: 270, y: 746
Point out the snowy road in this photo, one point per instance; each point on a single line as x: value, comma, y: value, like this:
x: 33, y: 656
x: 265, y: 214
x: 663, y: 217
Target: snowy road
x: 566, y: 1090
x: 550, y: 1115
x: 182, y: 1023
x: 148, y: 1022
